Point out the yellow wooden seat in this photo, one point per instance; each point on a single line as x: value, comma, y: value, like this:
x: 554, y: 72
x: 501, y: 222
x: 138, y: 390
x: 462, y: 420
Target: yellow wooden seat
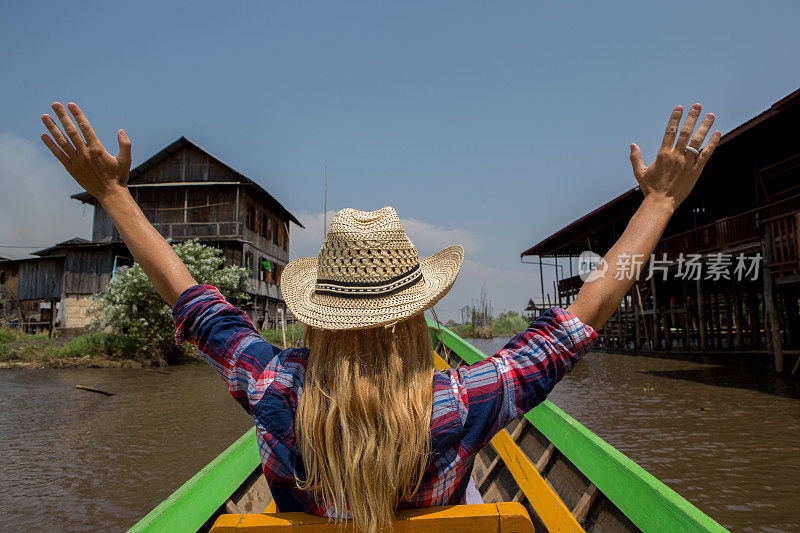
x: 506, y: 517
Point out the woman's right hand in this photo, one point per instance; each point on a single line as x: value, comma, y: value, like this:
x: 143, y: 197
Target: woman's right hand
x: 88, y: 162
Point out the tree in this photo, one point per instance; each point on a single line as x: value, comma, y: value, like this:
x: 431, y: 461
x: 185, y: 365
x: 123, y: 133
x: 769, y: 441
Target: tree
x: 131, y: 306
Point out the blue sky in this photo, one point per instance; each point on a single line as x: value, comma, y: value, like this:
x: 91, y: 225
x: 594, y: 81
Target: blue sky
x: 490, y: 124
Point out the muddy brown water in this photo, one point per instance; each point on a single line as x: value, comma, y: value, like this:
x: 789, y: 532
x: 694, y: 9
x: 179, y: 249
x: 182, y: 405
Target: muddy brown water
x: 719, y: 430
x: 79, y: 461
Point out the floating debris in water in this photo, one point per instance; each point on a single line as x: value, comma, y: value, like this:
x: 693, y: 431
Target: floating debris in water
x: 90, y: 389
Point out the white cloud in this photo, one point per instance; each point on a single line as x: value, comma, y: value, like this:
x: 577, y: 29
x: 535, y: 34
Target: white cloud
x: 35, y: 206
x: 428, y: 238
x: 506, y: 288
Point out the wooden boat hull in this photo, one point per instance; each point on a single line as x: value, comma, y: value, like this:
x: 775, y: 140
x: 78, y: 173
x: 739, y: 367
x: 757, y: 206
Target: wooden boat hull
x: 567, y: 478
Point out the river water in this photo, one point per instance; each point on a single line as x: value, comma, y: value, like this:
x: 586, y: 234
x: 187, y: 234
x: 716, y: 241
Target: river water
x: 79, y: 461
x: 719, y: 430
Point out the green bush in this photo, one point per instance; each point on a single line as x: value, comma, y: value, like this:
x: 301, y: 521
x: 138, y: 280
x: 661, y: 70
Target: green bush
x: 131, y: 307
x: 508, y: 323
x: 95, y: 345
x: 7, y: 335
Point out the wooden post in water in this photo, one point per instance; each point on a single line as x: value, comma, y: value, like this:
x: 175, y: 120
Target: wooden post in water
x: 644, y: 319
x: 627, y: 317
x: 665, y: 319
x: 656, y: 325
x: 752, y: 315
x: 684, y: 317
x: 738, y: 317
x: 701, y: 319
x: 715, y: 322
x: 773, y: 322
x: 728, y: 322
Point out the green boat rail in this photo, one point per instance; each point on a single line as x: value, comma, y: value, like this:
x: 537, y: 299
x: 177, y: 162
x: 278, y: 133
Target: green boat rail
x: 646, y: 501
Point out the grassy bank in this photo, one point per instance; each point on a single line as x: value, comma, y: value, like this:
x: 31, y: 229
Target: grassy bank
x: 275, y: 336
x: 506, y: 325
x: 93, y: 349
x: 100, y: 349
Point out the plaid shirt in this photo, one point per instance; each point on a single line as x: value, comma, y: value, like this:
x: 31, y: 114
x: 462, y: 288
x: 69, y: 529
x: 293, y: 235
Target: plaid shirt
x: 470, y: 404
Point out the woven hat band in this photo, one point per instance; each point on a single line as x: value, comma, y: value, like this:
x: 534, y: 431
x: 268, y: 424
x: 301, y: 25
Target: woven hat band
x: 363, y: 289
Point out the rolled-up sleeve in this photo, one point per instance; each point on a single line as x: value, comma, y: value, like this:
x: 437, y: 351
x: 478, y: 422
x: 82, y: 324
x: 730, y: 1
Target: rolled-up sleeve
x: 495, y: 391
x: 226, y: 338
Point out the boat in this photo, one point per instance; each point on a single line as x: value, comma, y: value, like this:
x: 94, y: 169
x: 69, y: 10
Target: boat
x: 545, y: 469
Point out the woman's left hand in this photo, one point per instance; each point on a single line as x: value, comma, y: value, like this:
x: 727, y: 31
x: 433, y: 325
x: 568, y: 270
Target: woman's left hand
x: 674, y: 173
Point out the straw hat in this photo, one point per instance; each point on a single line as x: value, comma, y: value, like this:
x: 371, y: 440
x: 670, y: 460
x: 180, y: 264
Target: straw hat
x: 367, y: 274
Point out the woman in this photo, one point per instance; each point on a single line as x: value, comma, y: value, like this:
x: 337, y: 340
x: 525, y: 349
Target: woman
x: 357, y: 422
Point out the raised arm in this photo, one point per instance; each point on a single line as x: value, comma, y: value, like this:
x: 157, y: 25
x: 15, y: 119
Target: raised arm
x: 665, y: 183
x: 105, y: 177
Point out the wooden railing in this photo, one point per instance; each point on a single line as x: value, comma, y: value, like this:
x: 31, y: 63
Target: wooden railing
x: 720, y: 235
x: 213, y: 228
x: 784, y: 234
x: 743, y: 228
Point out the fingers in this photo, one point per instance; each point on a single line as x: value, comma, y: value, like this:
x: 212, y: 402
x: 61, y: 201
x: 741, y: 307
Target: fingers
x: 702, y: 131
x: 69, y: 128
x: 83, y: 124
x: 60, y: 155
x: 124, y: 155
x: 688, y: 127
x: 708, y: 150
x: 62, y: 141
x: 672, y: 127
x: 636, y: 161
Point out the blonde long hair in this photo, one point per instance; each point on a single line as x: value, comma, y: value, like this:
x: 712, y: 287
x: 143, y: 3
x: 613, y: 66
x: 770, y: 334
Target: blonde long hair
x: 363, y: 419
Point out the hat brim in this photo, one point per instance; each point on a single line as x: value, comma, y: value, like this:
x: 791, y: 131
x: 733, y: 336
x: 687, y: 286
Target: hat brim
x: 299, y: 279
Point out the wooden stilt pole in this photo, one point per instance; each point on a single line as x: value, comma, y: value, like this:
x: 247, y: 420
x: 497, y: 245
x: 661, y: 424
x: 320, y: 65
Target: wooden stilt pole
x: 684, y: 318
x: 769, y: 301
x: 715, y: 322
x: 624, y: 328
x: 666, y: 320
x: 752, y: 320
x: 701, y: 319
x: 644, y: 319
x: 656, y: 325
x: 728, y: 322
x: 738, y: 318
